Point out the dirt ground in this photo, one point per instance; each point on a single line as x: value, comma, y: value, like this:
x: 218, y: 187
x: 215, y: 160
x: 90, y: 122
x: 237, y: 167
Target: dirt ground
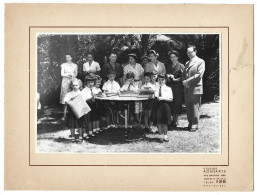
x: 52, y: 136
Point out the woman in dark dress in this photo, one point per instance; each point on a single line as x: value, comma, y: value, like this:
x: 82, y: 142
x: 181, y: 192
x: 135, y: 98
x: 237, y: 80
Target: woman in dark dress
x: 174, y: 71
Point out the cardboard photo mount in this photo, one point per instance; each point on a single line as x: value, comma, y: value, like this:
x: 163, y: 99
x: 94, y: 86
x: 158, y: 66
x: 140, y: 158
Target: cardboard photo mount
x: 27, y: 170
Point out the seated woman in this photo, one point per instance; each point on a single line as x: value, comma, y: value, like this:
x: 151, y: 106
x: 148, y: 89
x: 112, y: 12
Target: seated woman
x: 161, y: 114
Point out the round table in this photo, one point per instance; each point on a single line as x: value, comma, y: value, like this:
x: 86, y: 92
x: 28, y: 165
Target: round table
x: 126, y: 100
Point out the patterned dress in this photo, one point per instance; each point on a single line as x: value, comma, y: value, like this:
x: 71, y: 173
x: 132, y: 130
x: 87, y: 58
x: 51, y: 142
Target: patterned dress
x: 138, y: 70
x: 67, y: 69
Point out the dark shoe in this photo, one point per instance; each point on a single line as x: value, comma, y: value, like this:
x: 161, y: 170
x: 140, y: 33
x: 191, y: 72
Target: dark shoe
x: 166, y: 140
x: 193, y: 129
x: 175, y: 124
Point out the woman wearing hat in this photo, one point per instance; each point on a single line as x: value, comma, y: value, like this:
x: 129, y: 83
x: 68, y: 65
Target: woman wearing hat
x: 161, y: 114
x: 174, y: 72
x: 134, y: 67
x: 155, y: 65
x: 144, y: 61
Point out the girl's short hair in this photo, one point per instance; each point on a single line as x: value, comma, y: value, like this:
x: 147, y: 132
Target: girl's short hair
x: 130, y: 75
x: 98, y: 78
x: 79, y: 82
x: 89, y: 78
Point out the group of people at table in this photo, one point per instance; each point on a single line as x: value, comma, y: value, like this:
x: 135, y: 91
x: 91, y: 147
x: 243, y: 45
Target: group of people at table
x: 171, y: 84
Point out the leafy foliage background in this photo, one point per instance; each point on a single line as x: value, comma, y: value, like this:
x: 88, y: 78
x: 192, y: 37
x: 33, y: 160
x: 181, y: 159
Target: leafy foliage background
x: 51, y: 50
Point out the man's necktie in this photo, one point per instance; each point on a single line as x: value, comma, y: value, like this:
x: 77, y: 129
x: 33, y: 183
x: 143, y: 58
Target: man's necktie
x: 160, y: 91
x: 129, y: 86
x: 112, y: 88
x: 92, y: 94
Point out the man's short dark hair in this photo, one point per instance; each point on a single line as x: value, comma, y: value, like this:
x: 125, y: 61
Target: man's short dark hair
x: 193, y: 46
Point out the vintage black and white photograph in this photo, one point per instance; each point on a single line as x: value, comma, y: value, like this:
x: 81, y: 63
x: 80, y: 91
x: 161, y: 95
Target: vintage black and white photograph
x: 128, y: 93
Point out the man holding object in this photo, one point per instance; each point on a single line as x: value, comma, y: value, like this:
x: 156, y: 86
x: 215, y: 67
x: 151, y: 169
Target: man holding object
x: 193, y: 87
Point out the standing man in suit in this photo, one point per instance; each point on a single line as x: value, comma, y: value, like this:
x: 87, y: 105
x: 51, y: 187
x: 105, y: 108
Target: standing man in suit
x: 193, y: 87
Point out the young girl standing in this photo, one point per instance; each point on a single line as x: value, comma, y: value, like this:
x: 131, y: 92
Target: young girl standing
x: 161, y: 110
x: 72, y: 122
x: 88, y: 95
x: 97, y: 112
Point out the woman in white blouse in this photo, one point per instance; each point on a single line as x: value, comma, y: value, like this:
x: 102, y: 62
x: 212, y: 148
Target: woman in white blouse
x: 91, y: 67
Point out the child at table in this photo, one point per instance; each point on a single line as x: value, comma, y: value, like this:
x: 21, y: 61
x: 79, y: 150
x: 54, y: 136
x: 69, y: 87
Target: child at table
x: 161, y: 113
x: 97, y: 90
x: 111, y: 86
x: 129, y: 83
x: 131, y: 86
x: 153, y: 81
x: 148, y: 105
x: 88, y: 94
x: 72, y: 122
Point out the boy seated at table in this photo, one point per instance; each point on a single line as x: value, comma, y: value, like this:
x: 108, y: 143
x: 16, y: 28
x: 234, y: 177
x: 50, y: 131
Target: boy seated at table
x: 129, y: 83
x: 153, y: 81
x: 113, y: 87
x: 130, y: 86
x: 148, y: 105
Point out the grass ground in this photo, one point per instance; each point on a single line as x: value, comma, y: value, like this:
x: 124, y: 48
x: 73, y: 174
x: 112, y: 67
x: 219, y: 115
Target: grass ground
x: 52, y: 136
